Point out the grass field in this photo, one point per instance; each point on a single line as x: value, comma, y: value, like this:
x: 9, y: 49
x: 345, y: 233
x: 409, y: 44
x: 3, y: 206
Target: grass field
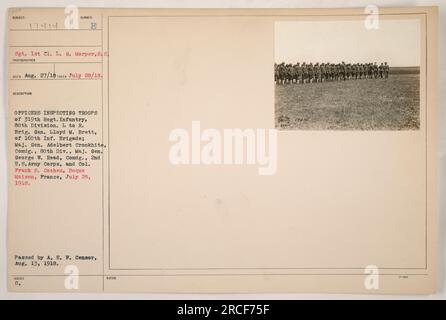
x: 368, y: 104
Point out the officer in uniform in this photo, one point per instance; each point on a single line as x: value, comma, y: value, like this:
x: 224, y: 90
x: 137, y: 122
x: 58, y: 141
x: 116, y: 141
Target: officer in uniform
x: 381, y: 70
x: 317, y: 72
x: 338, y: 70
x: 323, y: 72
x: 304, y: 72
x: 386, y: 70
x: 343, y: 71
x: 297, y: 72
x: 375, y: 70
x: 361, y: 70
x: 310, y: 72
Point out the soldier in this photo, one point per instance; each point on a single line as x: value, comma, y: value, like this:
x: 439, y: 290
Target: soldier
x: 330, y: 70
x: 317, y: 72
x: 285, y: 72
x: 369, y: 70
x: 386, y: 70
x: 297, y: 72
x: 282, y: 73
x: 356, y: 71
x: 361, y: 70
x: 304, y: 72
x: 323, y: 72
x: 337, y: 70
x: 310, y: 72
x: 349, y: 71
x: 292, y: 73
x: 381, y: 70
x: 375, y: 70
x: 343, y: 71
x: 289, y: 72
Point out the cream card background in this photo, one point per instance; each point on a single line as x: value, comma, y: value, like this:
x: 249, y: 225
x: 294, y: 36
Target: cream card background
x: 400, y: 3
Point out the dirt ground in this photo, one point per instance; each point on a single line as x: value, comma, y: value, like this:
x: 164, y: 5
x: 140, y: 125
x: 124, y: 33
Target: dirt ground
x: 366, y: 104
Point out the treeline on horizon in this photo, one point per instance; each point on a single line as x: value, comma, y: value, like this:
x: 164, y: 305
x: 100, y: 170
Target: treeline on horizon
x: 405, y: 70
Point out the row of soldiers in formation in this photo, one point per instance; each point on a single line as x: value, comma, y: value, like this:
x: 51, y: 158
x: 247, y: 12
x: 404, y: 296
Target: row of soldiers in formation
x: 319, y: 72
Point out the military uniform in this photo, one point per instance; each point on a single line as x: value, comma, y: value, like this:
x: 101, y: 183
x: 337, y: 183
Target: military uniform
x: 304, y: 72
x: 381, y: 70
x: 386, y: 70
x: 310, y: 72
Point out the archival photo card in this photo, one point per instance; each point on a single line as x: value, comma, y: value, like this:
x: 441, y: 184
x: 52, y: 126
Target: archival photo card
x: 160, y: 151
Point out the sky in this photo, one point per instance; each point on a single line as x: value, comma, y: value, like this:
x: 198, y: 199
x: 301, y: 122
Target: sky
x: 395, y: 41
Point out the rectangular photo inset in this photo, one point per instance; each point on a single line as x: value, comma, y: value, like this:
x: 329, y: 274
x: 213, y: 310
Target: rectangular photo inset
x: 341, y: 75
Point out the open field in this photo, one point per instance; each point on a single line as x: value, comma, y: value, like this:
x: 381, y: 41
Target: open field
x: 367, y: 104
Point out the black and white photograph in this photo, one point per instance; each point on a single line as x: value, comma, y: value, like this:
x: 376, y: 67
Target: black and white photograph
x: 343, y: 75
